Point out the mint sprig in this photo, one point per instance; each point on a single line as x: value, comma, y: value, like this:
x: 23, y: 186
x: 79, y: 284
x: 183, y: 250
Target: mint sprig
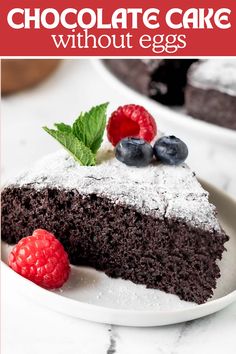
x: 78, y: 150
x: 63, y: 127
x: 89, y: 127
x: 83, y: 139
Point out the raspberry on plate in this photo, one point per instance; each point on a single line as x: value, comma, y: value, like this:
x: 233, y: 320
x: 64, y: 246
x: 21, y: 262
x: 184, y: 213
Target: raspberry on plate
x: 42, y: 259
x: 131, y: 121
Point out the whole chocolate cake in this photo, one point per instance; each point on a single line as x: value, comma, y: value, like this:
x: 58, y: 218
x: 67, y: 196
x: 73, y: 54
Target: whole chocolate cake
x: 151, y: 225
x: 211, y: 91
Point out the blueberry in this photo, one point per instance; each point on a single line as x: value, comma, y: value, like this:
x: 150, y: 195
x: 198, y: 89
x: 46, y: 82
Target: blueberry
x: 170, y: 150
x: 134, y: 152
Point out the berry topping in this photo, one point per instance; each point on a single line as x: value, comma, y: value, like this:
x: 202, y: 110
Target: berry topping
x: 170, y: 150
x: 131, y: 120
x: 42, y: 259
x: 134, y: 152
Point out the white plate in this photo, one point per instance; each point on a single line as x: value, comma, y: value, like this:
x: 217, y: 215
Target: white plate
x: 91, y: 295
x: 168, y: 118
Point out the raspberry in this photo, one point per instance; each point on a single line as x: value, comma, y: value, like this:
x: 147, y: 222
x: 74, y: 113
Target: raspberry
x: 131, y: 121
x: 42, y: 259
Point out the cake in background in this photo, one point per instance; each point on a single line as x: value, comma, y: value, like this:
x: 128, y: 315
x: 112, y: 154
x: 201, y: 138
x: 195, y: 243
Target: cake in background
x: 211, y: 91
x: 163, y: 80
x: 205, y: 88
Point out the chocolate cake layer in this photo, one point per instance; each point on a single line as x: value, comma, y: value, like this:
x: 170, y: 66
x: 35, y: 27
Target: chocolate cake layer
x: 211, y: 92
x: 161, y: 253
x: 211, y: 106
x: 152, y: 225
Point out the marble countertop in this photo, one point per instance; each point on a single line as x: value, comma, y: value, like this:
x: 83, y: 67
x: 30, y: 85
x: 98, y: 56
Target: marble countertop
x: 28, y: 327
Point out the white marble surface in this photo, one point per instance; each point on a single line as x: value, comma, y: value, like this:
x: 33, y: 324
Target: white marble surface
x: 30, y: 328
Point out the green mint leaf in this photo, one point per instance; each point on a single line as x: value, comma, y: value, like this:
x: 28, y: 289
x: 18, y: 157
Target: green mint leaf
x: 63, y: 127
x: 89, y: 127
x: 76, y: 148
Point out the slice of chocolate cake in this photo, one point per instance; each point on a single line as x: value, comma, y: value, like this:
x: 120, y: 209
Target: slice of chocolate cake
x: 211, y: 91
x: 164, y: 80
x: 151, y: 225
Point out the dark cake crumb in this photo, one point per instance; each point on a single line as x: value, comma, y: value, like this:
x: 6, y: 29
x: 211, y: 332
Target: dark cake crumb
x: 166, y: 254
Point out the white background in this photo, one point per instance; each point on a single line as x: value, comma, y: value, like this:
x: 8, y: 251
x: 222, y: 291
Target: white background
x: 30, y: 328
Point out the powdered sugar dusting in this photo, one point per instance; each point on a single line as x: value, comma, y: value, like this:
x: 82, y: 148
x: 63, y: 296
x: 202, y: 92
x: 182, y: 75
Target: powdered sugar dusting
x: 217, y: 74
x: 159, y: 190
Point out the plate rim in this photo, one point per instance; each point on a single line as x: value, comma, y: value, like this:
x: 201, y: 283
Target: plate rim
x: 107, y: 315
x: 147, y: 318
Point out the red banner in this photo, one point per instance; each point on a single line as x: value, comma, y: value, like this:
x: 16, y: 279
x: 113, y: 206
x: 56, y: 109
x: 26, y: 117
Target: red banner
x: 118, y: 28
